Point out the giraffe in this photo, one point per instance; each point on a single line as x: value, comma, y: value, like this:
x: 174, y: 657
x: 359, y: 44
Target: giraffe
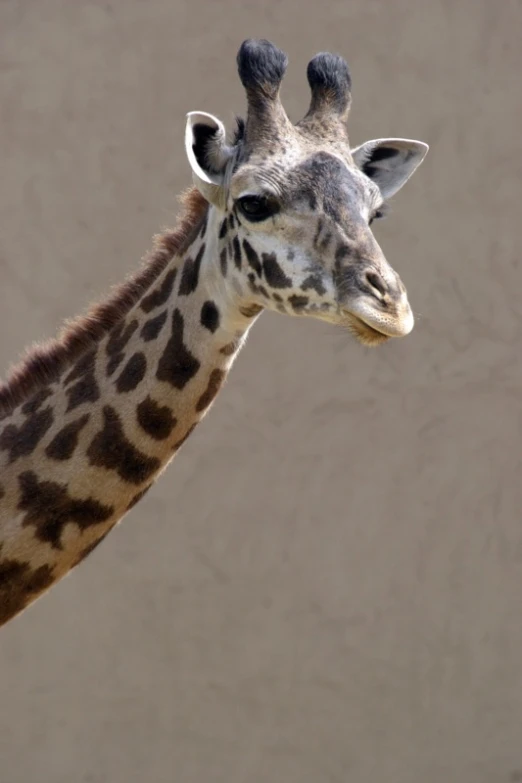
x: 277, y: 218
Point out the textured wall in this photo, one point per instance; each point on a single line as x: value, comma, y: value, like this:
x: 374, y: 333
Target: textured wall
x: 326, y: 584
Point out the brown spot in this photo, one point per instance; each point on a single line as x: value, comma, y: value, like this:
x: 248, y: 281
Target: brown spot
x: 86, y: 551
x: 153, y: 327
x: 274, y: 275
x: 50, y: 507
x: 64, y: 442
x: 237, y: 252
x: 113, y: 363
x: 325, y: 241
x: 86, y: 390
x: 19, y: 585
x: 2, y: 492
x: 231, y: 220
x: 223, y: 229
x: 315, y: 282
x: 215, y: 382
x: 190, y: 275
x: 160, y: 295
x: 154, y: 419
x: 36, y: 402
x: 110, y: 449
x: 185, y: 437
x: 342, y: 251
x: 209, y: 316
x: 298, y: 302
x: 21, y: 441
x: 229, y: 348
x: 119, y: 338
x: 83, y: 367
x: 132, y: 374
x: 223, y: 262
x: 256, y: 287
x: 317, y: 232
x: 138, y: 496
x: 177, y: 365
x: 249, y: 311
x: 252, y: 284
x: 252, y: 257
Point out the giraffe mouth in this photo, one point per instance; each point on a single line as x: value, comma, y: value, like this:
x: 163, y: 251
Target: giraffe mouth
x: 372, y: 326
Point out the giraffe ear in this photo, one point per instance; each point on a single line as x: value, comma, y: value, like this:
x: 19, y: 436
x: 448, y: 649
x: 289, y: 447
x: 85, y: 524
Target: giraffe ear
x: 208, y: 154
x: 389, y: 162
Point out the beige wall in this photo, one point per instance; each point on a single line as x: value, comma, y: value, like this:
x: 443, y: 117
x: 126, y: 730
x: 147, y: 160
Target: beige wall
x: 327, y: 584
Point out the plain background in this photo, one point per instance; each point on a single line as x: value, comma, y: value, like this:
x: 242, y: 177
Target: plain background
x: 326, y: 585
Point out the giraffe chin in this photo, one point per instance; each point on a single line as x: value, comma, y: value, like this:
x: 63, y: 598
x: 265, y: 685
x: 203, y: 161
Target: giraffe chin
x: 364, y: 333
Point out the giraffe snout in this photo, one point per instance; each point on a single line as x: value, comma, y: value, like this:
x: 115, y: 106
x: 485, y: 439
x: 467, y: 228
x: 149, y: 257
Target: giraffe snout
x: 381, y: 302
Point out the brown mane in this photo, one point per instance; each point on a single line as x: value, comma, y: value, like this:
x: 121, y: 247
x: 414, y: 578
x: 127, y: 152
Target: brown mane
x: 43, y: 364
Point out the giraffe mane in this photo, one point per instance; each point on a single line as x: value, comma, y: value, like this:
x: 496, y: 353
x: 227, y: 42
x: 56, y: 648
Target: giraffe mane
x: 44, y: 363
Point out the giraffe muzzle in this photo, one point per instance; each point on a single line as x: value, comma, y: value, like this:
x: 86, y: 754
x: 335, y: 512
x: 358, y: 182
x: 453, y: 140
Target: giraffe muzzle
x: 381, y: 305
x: 384, y: 314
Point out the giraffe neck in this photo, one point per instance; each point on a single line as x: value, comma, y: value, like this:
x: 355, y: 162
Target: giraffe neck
x: 83, y: 449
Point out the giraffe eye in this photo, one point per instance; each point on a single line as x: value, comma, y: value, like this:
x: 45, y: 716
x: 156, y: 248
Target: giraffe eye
x: 257, y: 208
x: 379, y: 213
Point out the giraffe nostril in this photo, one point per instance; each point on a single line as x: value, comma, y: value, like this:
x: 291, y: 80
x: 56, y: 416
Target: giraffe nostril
x: 376, y: 283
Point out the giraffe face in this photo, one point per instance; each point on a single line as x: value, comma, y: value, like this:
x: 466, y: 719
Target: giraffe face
x: 295, y: 205
x: 304, y: 228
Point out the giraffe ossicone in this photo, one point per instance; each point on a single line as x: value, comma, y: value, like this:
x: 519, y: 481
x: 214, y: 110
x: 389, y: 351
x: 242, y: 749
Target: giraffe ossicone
x: 278, y: 218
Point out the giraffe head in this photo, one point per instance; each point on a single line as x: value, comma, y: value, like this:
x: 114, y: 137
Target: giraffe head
x: 293, y: 204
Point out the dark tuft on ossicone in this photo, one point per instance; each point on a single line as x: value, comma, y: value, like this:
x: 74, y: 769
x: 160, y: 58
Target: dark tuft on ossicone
x: 261, y: 66
x: 330, y: 80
